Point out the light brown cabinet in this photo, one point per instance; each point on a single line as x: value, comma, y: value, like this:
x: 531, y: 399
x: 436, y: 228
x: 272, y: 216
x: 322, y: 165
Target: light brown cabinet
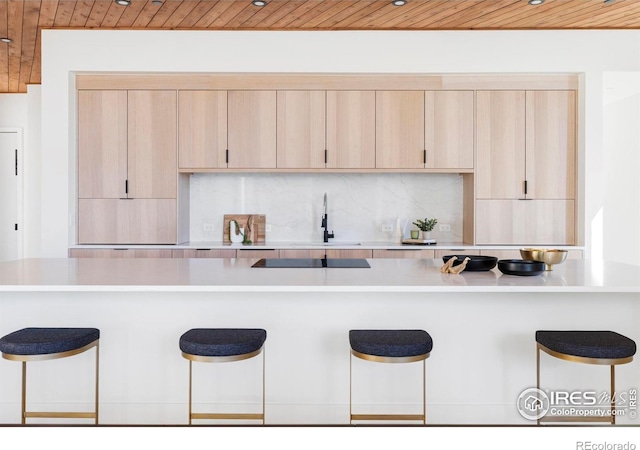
x: 204, y: 253
x: 102, y: 144
x: 302, y: 253
x: 417, y: 253
x: 251, y: 123
x: 348, y: 253
x: 301, y: 122
x: 119, y: 253
x: 525, y: 173
x: 257, y: 253
x: 202, y: 129
x: 127, y: 187
x: 424, y: 129
x: 351, y: 129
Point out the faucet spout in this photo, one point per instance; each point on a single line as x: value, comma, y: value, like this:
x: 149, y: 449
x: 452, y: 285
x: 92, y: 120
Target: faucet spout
x: 325, y: 222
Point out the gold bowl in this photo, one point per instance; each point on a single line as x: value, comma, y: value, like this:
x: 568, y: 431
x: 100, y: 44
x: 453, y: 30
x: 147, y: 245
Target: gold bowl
x: 548, y: 256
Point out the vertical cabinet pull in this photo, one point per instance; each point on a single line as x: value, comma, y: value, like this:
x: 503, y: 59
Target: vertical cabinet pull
x: 126, y: 186
x: 424, y: 156
x: 325, y: 156
x: 525, y: 187
x: 227, y: 156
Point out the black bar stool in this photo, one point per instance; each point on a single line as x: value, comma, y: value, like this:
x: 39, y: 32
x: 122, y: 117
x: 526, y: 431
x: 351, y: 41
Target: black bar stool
x: 222, y: 345
x: 390, y: 346
x: 40, y: 344
x: 588, y: 347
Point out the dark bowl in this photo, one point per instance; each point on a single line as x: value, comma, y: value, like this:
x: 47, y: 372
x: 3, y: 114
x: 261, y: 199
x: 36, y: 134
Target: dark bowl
x: 521, y: 267
x: 476, y: 263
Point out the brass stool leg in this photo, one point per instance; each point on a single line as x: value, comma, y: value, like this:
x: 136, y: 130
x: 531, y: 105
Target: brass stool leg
x: 613, y: 394
x: 24, y: 392
x: 190, y: 388
x: 350, y: 394
x: 263, y: 383
x: 424, y: 391
x: 538, y: 371
x: 97, y: 379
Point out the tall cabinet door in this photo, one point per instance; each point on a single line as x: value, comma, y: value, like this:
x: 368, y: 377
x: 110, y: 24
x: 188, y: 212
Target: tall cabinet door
x: 301, y: 129
x: 153, y: 158
x: 448, y: 129
x: 202, y: 129
x: 400, y: 129
x: 102, y: 144
x: 500, y: 151
x: 551, y: 144
x: 351, y: 129
x: 252, y: 129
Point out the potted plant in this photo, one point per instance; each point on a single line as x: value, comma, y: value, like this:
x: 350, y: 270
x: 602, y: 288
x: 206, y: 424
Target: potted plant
x: 426, y: 226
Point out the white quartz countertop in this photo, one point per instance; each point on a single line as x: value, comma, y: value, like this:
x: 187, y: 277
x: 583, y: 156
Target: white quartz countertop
x: 237, y: 275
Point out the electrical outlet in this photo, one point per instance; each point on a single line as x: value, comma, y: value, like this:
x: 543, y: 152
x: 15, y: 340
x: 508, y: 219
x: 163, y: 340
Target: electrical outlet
x: 208, y: 227
x: 445, y: 227
x: 387, y: 228
x: 267, y: 227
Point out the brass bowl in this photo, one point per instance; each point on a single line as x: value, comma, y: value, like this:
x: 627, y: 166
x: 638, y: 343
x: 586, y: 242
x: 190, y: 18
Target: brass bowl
x: 549, y: 257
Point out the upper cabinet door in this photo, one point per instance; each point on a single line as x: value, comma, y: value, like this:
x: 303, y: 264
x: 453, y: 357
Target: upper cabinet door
x: 301, y: 129
x: 351, y: 129
x: 551, y: 144
x: 500, y: 134
x: 202, y: 129
x: 252, y: 129
x: 153, y: 155
x: 400, y: 129
x: 448, y: 129
x: 102, y: 144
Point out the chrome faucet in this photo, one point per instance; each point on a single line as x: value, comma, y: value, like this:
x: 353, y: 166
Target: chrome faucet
x: 325, y: 222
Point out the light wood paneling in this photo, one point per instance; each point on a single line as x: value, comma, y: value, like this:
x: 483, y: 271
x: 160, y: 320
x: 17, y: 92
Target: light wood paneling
x: 301, y: 129
x: 257, y: 253
x: 525, y: 222
x: 400, y: 127
x: 139, y: 221
x: 448, y: 129
x: 204, y: 253
x: 351, y: 129
x: 404, y: 254
x: 551, y: 144
x: 502, y: 254
x: 500, y: 134
x: 102, y: 144
x: 348, y: 254
x: 468, y: 208
x: 252, y: 129
x: 152, y: 142
x: 119, y: 253
x: 202, y: 129
x: 302, y: 253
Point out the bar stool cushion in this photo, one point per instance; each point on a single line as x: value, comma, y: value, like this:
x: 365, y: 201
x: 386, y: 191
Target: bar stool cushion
x: 391, y: 343
x: 588, y: 344
x: 222, y: 341
x: 46, y: 341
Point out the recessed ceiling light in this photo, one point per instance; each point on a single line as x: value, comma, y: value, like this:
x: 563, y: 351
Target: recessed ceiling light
x: 6, y: 39
x: 608, y: 2
x: 259, y: 3
x: 399, y: 2
x: 536, y: 2
x: 156, y: 2
x: 123, y: 2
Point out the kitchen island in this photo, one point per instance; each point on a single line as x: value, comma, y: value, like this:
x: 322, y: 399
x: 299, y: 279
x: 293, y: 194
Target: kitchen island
x: 482, y: 324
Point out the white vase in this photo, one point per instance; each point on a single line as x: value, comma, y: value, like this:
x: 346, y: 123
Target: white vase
x: 426, y: 235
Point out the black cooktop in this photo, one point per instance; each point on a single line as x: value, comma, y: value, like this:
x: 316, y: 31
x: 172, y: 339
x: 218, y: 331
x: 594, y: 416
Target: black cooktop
x: 293, y: 263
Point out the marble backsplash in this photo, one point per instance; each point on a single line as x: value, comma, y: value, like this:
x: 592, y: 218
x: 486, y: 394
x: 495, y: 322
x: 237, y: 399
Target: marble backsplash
x: 359, y: 205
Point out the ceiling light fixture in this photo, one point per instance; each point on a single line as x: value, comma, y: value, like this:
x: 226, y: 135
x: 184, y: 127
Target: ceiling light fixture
x: 156, y: 2
x: 609, y: 2
x: 399, y: 2
x: 259, y: 3
x: 123, y: 2
x: 6, y: 39
x: 536, y: 2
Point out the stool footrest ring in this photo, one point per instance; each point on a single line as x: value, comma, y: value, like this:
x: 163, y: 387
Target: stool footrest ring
x: 235, y: 416
x: 58, y: 415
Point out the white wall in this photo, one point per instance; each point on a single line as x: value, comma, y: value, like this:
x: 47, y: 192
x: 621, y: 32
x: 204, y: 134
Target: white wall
x: 66, y: 51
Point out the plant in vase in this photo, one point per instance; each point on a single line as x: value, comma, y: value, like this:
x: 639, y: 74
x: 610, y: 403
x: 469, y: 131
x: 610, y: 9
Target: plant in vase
x: 425, y: 226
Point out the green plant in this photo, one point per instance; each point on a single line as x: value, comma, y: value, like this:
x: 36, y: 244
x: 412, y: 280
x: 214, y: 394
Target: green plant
x: 426, y: 224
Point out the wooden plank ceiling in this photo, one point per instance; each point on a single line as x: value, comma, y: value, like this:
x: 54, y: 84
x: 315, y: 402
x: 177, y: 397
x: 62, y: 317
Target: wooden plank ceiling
x: 22, y: 20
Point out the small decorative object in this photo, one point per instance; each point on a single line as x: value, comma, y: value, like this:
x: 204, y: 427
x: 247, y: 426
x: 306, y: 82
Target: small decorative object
x: 426, y: 226
x: 450, y: 268
x: 236, y: 234
x: 415, y: 234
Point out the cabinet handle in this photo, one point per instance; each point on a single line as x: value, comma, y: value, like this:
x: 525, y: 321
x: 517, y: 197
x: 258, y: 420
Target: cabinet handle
x: 525, y: 187
x: 126, y: 186
x: 325, y: 156
x: 227, y: 156
x: 424, y: 157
